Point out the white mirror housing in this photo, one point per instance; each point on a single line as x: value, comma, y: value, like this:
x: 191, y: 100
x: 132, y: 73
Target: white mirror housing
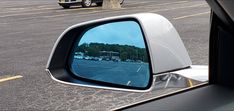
x: 167, y: 51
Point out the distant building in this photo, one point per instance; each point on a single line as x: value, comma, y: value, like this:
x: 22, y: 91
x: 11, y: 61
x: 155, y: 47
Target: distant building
x: 110, y: 55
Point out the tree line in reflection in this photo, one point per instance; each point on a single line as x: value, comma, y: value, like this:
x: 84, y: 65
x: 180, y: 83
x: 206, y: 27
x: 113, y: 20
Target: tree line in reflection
x: 111, y: 52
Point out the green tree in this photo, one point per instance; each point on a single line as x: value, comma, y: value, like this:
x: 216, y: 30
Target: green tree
x: 124, y: 56
x: 125, y: 51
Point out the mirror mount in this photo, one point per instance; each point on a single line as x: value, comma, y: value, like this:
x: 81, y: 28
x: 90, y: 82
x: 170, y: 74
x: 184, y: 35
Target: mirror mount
x: 166, y: 49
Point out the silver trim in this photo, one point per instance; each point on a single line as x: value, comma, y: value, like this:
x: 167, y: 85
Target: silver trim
x: 100, y: 87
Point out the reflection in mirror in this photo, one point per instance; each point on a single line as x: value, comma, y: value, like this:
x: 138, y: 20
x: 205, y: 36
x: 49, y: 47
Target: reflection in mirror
x: 112, y: 53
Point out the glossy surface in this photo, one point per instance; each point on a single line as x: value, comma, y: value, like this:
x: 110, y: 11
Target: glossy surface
x: 113, y: 53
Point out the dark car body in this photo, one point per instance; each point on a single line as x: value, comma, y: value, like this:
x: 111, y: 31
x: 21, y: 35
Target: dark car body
x: 83, y: 3
x: 68, y: 3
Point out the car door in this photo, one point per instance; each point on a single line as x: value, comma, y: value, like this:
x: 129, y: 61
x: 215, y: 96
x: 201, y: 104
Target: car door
x: 218, y: 94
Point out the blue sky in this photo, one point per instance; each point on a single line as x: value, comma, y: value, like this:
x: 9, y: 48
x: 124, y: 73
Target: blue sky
x: 122, y: 33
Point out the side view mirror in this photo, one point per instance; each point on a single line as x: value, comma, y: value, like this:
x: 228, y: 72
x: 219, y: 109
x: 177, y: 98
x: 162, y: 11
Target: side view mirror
x: 121, y: 53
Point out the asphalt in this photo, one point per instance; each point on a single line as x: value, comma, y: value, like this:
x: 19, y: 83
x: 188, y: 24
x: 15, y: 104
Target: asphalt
x: 123, y: 73
x: 29, y: 28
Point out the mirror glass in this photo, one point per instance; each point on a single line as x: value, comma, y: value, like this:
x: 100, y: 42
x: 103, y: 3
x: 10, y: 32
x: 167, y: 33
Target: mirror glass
x: 112, y: 53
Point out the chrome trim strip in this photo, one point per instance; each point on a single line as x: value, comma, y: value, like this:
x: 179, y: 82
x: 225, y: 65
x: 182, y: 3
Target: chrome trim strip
x: 100, y: 87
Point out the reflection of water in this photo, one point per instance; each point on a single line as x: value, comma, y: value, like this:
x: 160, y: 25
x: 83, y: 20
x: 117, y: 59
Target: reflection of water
x: 125, y: 73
